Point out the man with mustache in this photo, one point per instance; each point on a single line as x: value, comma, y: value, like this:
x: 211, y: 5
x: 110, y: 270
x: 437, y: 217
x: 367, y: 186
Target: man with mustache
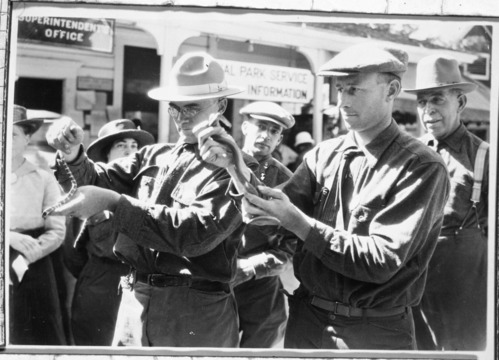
x: 262, y: 257
x: 454, y: 302
x: 367, y: 207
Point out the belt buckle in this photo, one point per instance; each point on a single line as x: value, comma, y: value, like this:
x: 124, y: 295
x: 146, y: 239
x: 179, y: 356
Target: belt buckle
x: 345, y: 309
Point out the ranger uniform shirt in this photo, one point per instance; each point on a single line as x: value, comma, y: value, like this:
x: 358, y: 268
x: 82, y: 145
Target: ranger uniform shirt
x: 380, y: 258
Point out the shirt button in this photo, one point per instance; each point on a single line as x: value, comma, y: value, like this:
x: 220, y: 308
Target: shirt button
x: 331, y: 317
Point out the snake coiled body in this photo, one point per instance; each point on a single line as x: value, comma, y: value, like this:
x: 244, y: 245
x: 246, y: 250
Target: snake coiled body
x: 241, y: 179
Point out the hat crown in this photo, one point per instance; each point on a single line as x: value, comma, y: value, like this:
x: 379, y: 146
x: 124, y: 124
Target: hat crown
x: 197, y: 69
x: 304, y: 137
x: 116, y: 126
x: 20, y: 113
x: 270, y: 111
x: 436, y: 70
x: 195, y: 76
x: 367, y: 58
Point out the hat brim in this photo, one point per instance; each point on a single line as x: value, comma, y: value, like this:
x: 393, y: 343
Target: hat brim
x: 312, y: 142
x: 334, y: 73
x: 95, y: 149
x: 171, y: 94
x: 466, y: 87
x: 268, y: 118
x: 47, y: 116
x: 34, y: 124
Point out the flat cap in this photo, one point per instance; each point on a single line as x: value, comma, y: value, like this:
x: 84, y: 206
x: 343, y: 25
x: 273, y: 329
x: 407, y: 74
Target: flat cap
x: 366, y: 58
x: 270, y: 111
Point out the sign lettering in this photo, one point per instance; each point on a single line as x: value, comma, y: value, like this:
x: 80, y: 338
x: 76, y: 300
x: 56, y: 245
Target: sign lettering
x: 268, y: 82
x: 90, y: 34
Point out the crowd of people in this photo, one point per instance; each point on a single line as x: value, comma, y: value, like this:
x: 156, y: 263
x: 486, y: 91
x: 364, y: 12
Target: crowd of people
x: 183, y: 244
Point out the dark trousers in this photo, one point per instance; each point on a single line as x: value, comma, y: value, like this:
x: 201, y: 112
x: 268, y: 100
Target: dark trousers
x: 176, y: 316
x: 312, y: 328
x: 262, y: 312
x: 35, y: 311
x: 96, y: 302
x: 453, y: 310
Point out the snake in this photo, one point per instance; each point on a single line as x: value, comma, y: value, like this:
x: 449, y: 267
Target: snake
x: 263, y: 220
x: 69, y: 195
x: 240, y: 178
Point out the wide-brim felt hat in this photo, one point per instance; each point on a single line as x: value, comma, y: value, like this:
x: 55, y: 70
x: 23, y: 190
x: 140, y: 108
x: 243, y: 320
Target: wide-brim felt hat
x: 269, y: 111
x: 115, y: 130
x: 195, y: 76
x: 366, y: 58
x: 439, y: 72
x: 20, y: 117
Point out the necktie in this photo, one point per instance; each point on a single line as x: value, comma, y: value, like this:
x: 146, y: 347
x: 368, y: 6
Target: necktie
x: 349, y: 170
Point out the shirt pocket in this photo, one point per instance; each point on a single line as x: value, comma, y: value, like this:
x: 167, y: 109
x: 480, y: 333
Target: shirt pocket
x: 184, y: 194
x: 361, y: 218
x: 324, y: 206
x: 459, y: 197
x: 145, y: 182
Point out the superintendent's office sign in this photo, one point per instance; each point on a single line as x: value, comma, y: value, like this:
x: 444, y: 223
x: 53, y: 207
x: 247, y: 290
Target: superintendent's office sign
x: 89, y: 34
x: 269, y: 82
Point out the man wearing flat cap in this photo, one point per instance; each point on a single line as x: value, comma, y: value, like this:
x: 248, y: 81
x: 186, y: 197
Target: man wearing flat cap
x: 367, y: 207
x: 178, y: 228
x: 262, y: 257
x: 454, y: 302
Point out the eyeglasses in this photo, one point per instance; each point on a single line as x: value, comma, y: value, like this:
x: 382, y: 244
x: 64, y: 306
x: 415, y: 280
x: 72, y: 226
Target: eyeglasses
x: 187, y: 111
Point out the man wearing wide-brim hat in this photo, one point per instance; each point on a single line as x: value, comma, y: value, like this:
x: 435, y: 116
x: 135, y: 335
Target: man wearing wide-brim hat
x: 454, y: 303
x: 367, y: 207
x: 178, y: 227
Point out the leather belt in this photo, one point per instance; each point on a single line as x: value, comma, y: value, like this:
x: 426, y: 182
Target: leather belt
x: 349, y: 311
x: 163, y: 280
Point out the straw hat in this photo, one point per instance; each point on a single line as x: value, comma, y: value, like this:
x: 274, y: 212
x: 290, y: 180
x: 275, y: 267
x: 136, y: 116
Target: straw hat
x: 439, y: 72
x: 114, y: 130
x: 266, y: 110
x: 195, y: 76
x: 21, y: 118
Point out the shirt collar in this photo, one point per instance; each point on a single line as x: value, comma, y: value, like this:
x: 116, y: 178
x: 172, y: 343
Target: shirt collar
x: 25, y: 168
x: 375, y: 148
x: 265, y: 158
x: 455, y: 140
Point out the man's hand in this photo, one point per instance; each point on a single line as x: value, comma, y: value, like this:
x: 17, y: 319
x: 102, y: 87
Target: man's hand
x: 65, y: 135
x: 278, y: 205
x: 210, y: 150
x: 245, y: 271
x: 87, y: 201
x: 26, y: 245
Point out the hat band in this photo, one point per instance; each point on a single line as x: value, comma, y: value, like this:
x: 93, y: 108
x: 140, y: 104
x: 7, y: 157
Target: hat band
x: 201, y: 89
